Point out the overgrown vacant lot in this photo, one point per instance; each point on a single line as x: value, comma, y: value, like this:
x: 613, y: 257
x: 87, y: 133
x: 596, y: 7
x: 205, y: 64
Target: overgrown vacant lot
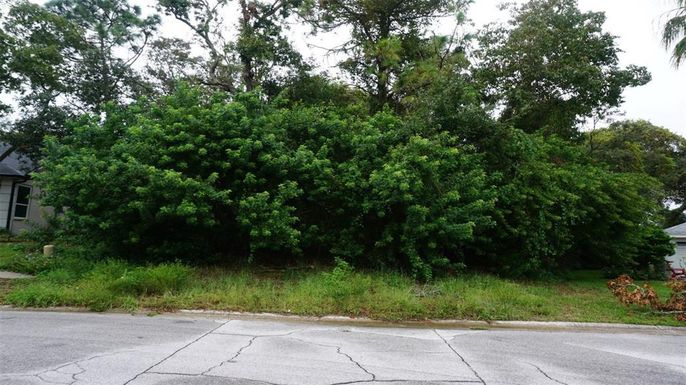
x: 105, y: 285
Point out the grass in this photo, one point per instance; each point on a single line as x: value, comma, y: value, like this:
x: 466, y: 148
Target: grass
x: 105, y: 285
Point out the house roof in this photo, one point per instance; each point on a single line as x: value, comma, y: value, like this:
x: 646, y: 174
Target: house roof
x: 15, y: 164
x: 677, y: 231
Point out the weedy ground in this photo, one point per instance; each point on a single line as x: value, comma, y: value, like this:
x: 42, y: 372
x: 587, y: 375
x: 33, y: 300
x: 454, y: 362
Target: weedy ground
x: 70, y: 280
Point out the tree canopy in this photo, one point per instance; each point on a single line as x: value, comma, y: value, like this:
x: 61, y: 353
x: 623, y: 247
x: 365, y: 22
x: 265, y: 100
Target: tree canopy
x: 553, y: 67
x: 67, y: 58
x: 642, y: 148
x: 433, y: 153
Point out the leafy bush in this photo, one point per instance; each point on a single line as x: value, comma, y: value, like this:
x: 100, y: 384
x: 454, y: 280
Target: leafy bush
x: 196, y: 178
x: 338, y: 282
x: 556, y: 210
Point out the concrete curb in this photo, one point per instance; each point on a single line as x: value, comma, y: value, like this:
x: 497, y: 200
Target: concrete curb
x: 423, y: 324
x: 448, y: 324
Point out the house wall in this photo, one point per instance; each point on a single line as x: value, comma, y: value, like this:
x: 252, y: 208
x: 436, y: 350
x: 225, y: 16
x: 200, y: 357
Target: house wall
x: 5, y: 192
x: 37, y: 214
x: 679, y: 258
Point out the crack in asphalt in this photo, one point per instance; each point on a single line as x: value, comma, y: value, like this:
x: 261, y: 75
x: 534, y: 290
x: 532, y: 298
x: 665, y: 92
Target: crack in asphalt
x: 232, y: 359
x: 461, y: 357
x: 340, y: 351
x: 211, y: 376
x: 73, y: 375
x: 547, y: 375
x: 258, y: 335
x: 176, y: 351
x: 76, y: 363
x: 47, y: 381
x: 240, y: 351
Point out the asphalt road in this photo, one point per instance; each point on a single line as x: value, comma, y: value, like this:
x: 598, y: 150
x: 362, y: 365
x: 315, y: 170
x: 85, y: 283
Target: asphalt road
x: 74, y: 348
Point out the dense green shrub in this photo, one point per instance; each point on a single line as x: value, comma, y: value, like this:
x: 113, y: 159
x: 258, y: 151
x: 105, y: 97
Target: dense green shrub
x: 193, y: 177
x: 196, y: 178
x: 556, y: 210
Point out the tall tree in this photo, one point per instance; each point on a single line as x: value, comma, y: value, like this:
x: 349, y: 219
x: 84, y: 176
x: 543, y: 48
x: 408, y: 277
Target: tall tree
x: 552, y: 67
x: 69, y: 57
x: 674, y: 34
x: 204, y: 19
x: 169, y: 61
x: 261, y: 54
x: 386, y: 37
x: 114, y: 37
x: 264, y: 52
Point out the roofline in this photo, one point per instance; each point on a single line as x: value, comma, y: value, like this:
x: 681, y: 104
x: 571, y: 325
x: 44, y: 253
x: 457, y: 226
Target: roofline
x: 18, y: 176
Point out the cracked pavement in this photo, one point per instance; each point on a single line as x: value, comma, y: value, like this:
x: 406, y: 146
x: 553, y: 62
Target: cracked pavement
x: 92, y: 349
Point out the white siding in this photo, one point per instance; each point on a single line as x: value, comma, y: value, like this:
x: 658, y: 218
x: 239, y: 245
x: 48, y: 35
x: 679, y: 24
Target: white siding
x: 37, y: 213
x: 5, y: 192
x: 679, y: 258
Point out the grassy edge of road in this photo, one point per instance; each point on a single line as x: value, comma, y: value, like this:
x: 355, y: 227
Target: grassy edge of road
x: 117, y: 285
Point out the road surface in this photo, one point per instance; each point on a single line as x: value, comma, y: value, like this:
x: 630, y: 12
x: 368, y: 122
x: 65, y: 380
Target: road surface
x: 91, y: 349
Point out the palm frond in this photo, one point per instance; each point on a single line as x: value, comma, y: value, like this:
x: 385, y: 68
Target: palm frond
x: 674, y: 33
x: 679, y: 54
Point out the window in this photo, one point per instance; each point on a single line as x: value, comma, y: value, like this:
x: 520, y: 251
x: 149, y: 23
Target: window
x: 21, y: 206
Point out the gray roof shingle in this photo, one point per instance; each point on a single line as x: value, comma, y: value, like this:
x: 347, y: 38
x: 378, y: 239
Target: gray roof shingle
x: 15, y: 164
x: 678, y: 230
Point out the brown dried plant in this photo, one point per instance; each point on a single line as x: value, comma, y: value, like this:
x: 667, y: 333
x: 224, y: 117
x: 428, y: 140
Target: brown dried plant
x: 630, y: 293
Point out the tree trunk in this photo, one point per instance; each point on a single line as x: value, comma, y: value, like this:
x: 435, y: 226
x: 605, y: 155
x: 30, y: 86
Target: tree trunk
x: 246, y: 59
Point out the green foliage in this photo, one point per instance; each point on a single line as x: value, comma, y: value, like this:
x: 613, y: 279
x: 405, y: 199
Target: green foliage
x: 342, y: 290
x: 197, y: 178
x: 65, y: 58
x: 28, y: 263
x: 27, y: 258
x: 556, y: 210
x: 643, y: 148
x: 387, y: 38
x: 338, y: 281
x: 191, y: 176
x: 298, y: 169
x: 552, y: 67
x: 654, y: 245
x: 5, y: 235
